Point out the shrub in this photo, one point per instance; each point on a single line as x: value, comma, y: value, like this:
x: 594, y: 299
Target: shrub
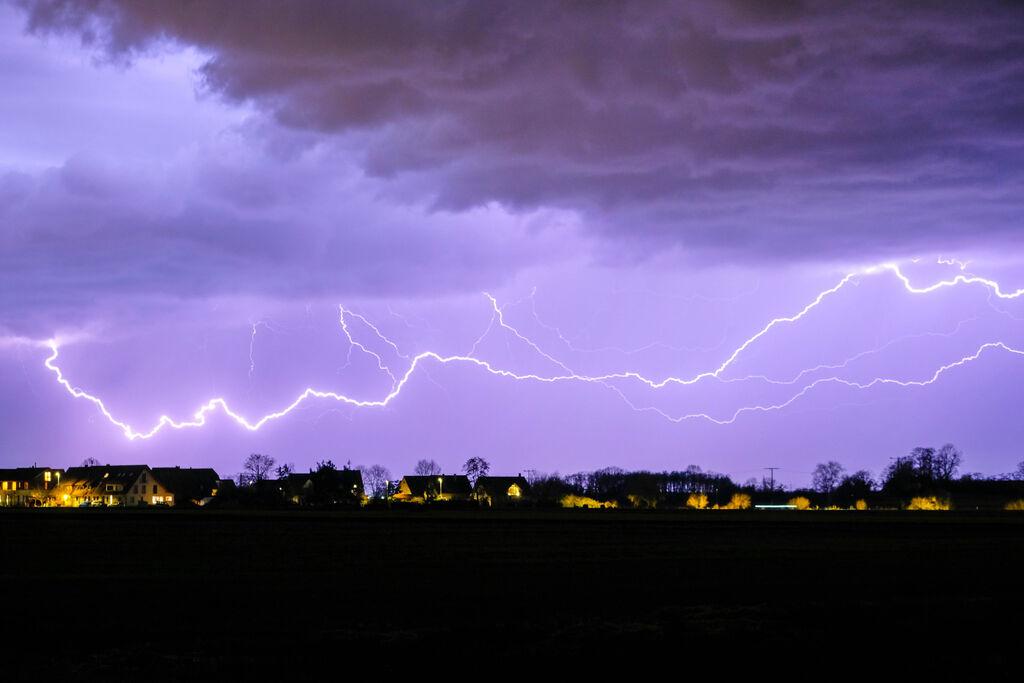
x: 739, y: 501
x: 801, y: 503
x: 574, y: 501
x: 697, y: 501
x: 928, y: 503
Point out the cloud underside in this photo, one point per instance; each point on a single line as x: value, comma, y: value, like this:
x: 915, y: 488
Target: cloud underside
x: 799, y: 131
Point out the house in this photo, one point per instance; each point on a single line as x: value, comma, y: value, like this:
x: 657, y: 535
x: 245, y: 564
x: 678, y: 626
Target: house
x: 501, y: 491
x: 112, y: 485
x: 28, y: 486
x: 326, y: 486
x: 195, y: 485
x: 421, y: 489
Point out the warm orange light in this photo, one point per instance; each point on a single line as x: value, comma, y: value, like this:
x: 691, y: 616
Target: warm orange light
x: 800, y: 503
x: 697, y: 501
x: 739, y: 501
x: 574, y: 501
x: 928, y: 503
x: 860, y: 505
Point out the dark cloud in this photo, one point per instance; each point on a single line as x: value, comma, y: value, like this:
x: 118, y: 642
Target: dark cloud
x: 90, y: 231
x: 799, y: 129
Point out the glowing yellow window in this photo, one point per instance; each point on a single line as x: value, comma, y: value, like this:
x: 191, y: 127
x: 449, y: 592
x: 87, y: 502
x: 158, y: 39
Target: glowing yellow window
x: 46, y: 476
x: 514, y: 491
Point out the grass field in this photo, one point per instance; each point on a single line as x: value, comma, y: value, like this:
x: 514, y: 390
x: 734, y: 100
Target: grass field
x: 171, y: 594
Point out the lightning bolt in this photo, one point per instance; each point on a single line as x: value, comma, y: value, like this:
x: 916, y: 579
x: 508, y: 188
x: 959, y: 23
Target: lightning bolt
x: 497, y: 317
x: 252, y: 344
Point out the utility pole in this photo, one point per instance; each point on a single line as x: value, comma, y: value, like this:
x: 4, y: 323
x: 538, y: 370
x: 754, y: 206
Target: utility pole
x: 771, y: 473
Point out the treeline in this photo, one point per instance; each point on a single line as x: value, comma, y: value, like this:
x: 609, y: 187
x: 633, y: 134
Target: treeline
x: 926, y: 478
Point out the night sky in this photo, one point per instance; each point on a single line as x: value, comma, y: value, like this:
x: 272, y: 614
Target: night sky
x: 554, y: 235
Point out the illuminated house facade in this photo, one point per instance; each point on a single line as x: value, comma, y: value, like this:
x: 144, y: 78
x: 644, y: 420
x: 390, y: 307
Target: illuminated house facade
x: 28, y: 486
x: 112, y: 485
x: 422, y: 489
x: 501, y: 491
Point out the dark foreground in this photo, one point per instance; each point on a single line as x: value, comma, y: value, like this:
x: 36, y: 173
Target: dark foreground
x: 138, y: 595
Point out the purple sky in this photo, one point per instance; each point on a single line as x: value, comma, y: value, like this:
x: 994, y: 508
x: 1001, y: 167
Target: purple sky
x: 189, y: 191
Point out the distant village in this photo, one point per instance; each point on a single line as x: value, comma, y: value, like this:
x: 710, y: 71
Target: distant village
x: 925, y: 479
x: 95, y: 485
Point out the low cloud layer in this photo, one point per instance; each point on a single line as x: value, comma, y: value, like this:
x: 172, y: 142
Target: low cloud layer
x: 807, y: 130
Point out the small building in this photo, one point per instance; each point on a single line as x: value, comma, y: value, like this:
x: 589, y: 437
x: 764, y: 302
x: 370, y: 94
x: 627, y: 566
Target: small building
x: 327, y: 486
x: 188, y: 485
x: 426, y: 488
x: 501, y: 491
x: 112, y: 485
x: 28, y: 486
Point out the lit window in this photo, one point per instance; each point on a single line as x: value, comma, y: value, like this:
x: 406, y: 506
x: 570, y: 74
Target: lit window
x: 46, y: 476
x: 514, y: 491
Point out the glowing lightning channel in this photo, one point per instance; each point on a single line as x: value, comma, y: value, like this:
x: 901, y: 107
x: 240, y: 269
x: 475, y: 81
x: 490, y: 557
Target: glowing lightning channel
x: 398, y: 383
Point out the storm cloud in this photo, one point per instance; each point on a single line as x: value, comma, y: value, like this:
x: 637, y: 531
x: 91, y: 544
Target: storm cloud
x: 803, y: 130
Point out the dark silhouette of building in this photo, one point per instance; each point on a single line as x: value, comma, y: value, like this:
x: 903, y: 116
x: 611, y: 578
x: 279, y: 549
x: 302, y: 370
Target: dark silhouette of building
x: 421, y: 489
x: 189, y: 485
x: 325, y: 486
x: 501, y: 491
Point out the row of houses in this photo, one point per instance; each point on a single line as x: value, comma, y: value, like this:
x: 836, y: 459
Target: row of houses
x: 107, y: 485
x: 136, y: 485
x: 489, y: 491
x: 346, y: 485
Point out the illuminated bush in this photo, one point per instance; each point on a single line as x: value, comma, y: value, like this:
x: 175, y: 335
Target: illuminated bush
x: 928, y: 503
x: 739, y: 501
x: 642, y: 501
x: 860, y: 505
x: 800, y: 503
x: 574, y: 501
x: 697, y: 501
x: 1015, y: 505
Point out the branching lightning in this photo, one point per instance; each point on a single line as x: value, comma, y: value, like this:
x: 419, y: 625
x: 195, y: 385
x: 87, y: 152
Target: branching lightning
x: 563, y: 372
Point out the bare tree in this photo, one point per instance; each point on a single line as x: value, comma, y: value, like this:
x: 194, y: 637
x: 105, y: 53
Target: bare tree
x: 90, y: 462
x: 427, y: 468
x: 476, y: 468
x: 946, y: 462
x: 826, y: 477
x: 256, y: 468
x: 1019, y: 474
x: 284, y: 470
x: 375, y: 480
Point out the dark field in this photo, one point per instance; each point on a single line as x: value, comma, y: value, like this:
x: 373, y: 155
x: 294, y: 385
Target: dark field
x: 184, y: 595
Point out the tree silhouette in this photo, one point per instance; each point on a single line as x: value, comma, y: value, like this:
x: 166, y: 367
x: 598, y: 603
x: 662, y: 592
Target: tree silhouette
x: 90, y: 462
x: 923, y: 471
x: 857, y: 486
x: 946, y: 462
x: 375, y: 480
x: 476, y: 468
x: 256, y: 468
x: 826, y: 477
x: 427, y: 468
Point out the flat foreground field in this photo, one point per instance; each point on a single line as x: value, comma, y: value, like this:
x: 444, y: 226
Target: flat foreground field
x: 196, y: 594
